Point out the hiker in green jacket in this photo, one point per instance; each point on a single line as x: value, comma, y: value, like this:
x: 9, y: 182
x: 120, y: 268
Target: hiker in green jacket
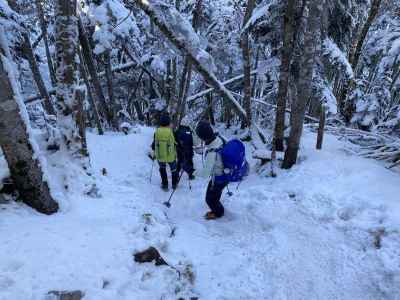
x: 164, y: 150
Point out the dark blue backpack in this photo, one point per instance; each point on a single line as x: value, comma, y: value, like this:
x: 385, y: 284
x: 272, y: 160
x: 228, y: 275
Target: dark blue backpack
x: 184, y: 137
x: 233, y: 155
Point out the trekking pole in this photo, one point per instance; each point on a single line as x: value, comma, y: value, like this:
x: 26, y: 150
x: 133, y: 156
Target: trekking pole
x: 168, y: 203
x: 152, y: 167
x: 237, y: 187
x: 230, y: 194
x: 190, y: 184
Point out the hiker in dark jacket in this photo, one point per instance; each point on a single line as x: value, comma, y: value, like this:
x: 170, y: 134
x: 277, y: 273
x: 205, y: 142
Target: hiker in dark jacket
x: 213, y: 167
x: 184, y: 140
x: 164, y: 150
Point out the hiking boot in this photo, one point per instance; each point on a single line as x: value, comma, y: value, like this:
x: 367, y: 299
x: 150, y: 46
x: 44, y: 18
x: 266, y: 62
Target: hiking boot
x: 164, y: 187
x: 192, y: 177
x: 174, y: 186
x: 210, y: 216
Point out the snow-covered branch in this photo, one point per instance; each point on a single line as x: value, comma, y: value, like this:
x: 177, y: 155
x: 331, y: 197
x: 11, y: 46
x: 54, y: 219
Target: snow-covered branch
x: 183, y: 37
x: 205, y: 92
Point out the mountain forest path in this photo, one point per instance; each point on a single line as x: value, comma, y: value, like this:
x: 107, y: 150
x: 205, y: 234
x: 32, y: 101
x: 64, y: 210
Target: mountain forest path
x: 282, y: 238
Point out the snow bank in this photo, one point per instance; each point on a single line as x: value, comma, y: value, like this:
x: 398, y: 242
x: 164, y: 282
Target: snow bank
x: 327, y: 229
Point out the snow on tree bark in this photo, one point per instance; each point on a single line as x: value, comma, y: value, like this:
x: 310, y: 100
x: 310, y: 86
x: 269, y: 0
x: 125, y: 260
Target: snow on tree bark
x: 311, y: 38
x: 43, y: 27
x: 17, y: 142
x: 66, y: 28
x: 30, y: 56
x: 88, y: 57
x: 287, y: 53
x: 92, y: 103
x: 187, y: 72
x: 66, y: 31
x: 347, y: 108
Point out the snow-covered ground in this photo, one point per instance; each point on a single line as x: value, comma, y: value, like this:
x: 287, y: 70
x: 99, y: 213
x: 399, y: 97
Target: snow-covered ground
x: 327, y: 229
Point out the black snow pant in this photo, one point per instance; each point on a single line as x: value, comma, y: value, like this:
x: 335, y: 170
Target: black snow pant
x: 185, y: 162
x: 164, y: 176
x: 213, y: 197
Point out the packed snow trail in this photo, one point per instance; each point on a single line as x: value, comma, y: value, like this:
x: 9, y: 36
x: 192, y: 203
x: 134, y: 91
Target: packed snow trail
x: 281, y: 238
x: 310, y: 233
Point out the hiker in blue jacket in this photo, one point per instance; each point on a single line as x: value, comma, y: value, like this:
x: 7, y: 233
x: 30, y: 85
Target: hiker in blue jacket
x: 215, y: 168
x: 184, y: 141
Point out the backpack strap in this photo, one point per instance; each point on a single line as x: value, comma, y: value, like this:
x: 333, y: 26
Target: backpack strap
x: 224, y: 141
x: 217, y: 149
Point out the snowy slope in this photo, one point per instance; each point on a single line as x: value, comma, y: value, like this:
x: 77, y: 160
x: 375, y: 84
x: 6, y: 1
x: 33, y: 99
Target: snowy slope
x: 310, y: 233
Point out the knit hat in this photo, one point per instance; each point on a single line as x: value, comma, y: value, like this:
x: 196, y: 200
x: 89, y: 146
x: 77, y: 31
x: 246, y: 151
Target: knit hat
x: 204, y: 131
x: 165, y: 120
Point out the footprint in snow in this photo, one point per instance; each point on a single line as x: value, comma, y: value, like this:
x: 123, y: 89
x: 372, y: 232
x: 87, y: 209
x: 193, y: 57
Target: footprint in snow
x: 12, y: 266
x: 6, y: 282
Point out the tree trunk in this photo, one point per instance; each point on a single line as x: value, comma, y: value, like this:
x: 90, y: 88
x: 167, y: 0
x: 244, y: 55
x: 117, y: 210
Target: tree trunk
x: 133, y: 101
x: 253, y: 88
x: 30, y: 56
x: 287, y: 53
x: 43, y: 27
x: 139, y: 111
x: 321, y: 127
x: 227, y: 113
x: 183, y: 97
x: 89, y: 61
x: 183, y: 45
x: 92, y: 103
x: 110, y: 87
x: 168, y: 83
x: 182, y: 88
x: 66, y: 29
x: 66, y: 47
x: 246, y: 53
x: 311, y: 38
x: 109, y: 76
x: 187, y: 72
x: 210, y: 109
x: 17, y: 143
x: 81, y: 120
x: 174, y: 81
x: 347, y: 109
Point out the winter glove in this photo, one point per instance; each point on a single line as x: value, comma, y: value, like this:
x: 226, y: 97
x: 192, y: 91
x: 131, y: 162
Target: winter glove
x: 198, y: 150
